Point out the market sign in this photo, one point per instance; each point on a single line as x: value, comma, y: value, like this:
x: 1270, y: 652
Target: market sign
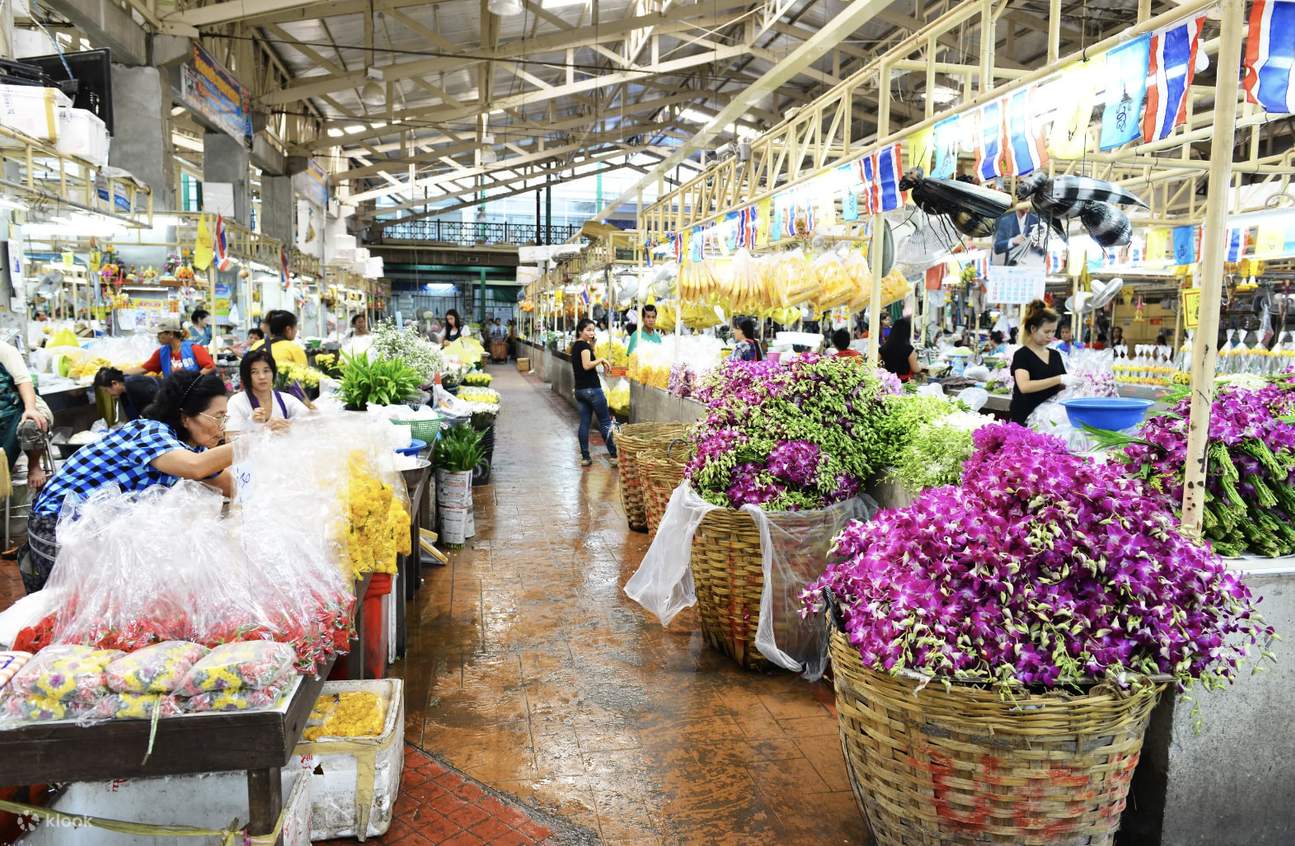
x: 217, y: 95
x: 1191, y: 307
x: 312, y: 184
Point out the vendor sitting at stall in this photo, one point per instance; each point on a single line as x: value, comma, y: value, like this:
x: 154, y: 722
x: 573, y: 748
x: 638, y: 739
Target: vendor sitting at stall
x: 283, y: 338
x: 259, y: 402
x: 178, y: 438
x: 174, y: 353
x: 132, y: 393
x: 24, y: 417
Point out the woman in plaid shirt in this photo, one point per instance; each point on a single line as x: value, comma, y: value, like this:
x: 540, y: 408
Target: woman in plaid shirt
x: 179, y: 437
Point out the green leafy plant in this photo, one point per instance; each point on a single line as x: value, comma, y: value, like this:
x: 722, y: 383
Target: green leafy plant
x: 381, y: 382
x: 459, y: 449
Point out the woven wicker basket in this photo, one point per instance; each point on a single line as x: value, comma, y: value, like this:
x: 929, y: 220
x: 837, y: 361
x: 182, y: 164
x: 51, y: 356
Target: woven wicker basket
x: 631, y: 439
x: 729, y: 577
x: 962, y: 766
x: 660, y: 472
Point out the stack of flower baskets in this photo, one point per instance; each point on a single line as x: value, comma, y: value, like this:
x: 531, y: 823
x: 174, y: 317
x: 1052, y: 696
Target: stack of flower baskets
x: 999, y: 645
x: 661, y: 468
x: 631, y: 440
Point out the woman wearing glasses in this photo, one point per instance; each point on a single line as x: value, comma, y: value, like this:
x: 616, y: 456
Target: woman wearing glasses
x: 179, y: 437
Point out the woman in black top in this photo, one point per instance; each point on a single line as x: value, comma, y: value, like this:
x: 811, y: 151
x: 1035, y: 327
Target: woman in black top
x: 589, y: 391
x: 453, y: 327
x: 1037, y: 370
x: 897, y: 354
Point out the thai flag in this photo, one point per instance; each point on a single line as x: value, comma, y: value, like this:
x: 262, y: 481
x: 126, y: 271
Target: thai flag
x: 867, y: 178
x: 1026, y: 152
x: 1169, y: 77
x: 982, y: 264
x: 1056, y: 257
x: 283, y: 266
x: 677, y: 238
x: 989, y: 146
x: 890, y: 170
x: 1235, y: 242
x: 222, y: 247
x: 747, y: 227
x: 1270, y: 55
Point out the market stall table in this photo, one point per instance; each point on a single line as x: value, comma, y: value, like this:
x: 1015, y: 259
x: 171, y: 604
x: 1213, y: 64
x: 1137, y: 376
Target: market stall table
x: 258, y: 742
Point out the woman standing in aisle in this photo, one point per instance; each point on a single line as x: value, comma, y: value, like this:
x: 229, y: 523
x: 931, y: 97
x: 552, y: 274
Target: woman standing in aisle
x: 259, y: 402
x: 177, y: 438
x: 453, y: 327
x: 589, y: 391
x: 747, y: 347
x: 897, y: 353
x: 1038, y: 371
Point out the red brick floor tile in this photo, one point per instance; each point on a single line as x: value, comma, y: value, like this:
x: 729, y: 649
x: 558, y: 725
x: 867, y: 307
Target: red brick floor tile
x: 469, y: 816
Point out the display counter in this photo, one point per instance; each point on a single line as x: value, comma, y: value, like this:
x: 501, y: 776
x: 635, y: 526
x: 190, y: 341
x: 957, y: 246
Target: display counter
x: 649, y: 404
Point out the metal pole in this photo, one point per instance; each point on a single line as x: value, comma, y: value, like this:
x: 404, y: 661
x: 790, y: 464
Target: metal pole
x: 538, y: 192
x: 548, y: 211
x: 878, y: 227
x: 1204, y: 350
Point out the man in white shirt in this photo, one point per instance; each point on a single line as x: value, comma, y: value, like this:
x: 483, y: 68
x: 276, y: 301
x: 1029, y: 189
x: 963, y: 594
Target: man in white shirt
x: 25, y: 419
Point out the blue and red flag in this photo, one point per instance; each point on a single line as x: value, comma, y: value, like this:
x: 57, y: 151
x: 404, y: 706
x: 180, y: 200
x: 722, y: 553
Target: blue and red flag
x: 889, y: 170
x: 989, y: 142
x: 1270, y: 56
x: 1174, y: 53
x: 1026, y: 151
x: 222, y: 246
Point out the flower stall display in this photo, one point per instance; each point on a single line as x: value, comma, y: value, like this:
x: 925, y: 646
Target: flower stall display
x: 611, y: 350
x: 486, y: 396
x: 780, y: 460
x: 478, y: 379
x: 408, y: 346
x: 382, y: 381
x: 683, y: 380
x: 1028, y: 617
x: 934, y: 453
x: 1250, y: 502
x: 466, y: 350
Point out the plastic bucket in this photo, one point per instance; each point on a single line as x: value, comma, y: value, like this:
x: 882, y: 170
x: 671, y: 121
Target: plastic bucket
x: 375, y: 627
x: 454, y: 488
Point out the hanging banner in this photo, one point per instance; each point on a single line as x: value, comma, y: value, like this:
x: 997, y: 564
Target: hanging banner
x: 202, y: 245
x: 1174, y: 57
x: 216, y: 95
x: 312, y: 184
x: 1184, y: 245
x: 1125, y: 77
x: 1191, y: 307
x: 1026, y: 149
x: 763, y: 222
x: 1073, y: 92
x: 1270, y: 56
x: 946, y: 139
x: 1157, y: 245
x: 1271, y: 239
x: 989, y: 142
x: 921, y: 148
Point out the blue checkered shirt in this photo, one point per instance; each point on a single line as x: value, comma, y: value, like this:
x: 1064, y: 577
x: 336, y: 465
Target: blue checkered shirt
x: 122, y: 457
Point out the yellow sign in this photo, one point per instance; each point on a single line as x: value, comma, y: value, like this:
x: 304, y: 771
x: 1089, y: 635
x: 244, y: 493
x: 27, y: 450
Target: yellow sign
x: 202, y: 247
x: 763, y: 216
x: 1191, y: 307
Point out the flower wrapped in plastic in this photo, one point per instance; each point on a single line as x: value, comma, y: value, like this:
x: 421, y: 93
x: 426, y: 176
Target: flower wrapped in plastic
x: 247, y: 699
x: 133, y: 706
x: 154, y: 669
x: 64, y: 672
x: 238, y: 666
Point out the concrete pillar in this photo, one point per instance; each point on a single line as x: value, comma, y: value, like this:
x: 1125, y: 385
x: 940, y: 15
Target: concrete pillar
x: 225, y: 160
x: 141, y: 142
x: 276, y: 207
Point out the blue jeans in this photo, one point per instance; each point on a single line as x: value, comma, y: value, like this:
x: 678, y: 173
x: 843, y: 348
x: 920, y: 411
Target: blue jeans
x: 591, y: 401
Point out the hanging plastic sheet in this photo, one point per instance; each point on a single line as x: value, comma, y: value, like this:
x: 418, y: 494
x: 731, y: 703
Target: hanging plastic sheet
x: 793, y: 549
x: 793, y: 546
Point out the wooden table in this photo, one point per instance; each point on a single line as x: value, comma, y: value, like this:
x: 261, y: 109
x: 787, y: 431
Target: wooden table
x: 258, y: 742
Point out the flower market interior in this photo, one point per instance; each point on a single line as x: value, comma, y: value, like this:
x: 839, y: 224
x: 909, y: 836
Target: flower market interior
x: 647, y: 422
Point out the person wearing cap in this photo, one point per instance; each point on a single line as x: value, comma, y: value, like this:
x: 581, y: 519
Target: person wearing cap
x: 174, y: 353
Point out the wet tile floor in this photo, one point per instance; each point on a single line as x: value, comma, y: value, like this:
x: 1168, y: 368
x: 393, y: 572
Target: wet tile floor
x: 530, y: 672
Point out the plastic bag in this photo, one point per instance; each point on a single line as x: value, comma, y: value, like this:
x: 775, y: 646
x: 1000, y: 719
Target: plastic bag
x: 254, y: 699
x: 155, y: 669
x: 973, y: 398
x: 132, y: 706
x: 64, y: 673
x: 10, y: 664
x: 663, y: 582
x: 238, y: 666
x: 793, y: 549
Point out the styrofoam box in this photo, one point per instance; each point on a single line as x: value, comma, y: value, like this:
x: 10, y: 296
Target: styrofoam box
x: 210, y: 800
x: 32, y: 111
x: 335, y: 776
x: 82, y: 134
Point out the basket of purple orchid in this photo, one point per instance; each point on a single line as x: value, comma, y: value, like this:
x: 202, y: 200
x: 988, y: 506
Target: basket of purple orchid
x: 999, y: 645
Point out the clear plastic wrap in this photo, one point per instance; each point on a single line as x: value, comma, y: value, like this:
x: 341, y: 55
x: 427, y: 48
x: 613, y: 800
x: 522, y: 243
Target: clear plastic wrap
x: 793, y: 550
x: 132, y: 706
x: 663, y: 582
x: 238, y: 666
x: 248, y: 699
x: 64, y: 673
x: 154, y: 669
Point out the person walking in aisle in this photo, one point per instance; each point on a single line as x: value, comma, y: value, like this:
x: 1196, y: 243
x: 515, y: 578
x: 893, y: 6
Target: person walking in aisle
x: 747, y: 347
x: 1038, y: 370
x: 589, y: 392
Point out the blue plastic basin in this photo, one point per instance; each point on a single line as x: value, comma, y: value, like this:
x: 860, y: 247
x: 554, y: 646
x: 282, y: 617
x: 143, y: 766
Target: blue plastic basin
x: 415, y: 446
x: 1117, y: 413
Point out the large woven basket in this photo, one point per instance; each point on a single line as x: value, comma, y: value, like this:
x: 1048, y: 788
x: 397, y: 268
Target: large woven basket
x: 932, y: 766
x: 661, y: 470
x: 728, y: 576
x: 631, y: 439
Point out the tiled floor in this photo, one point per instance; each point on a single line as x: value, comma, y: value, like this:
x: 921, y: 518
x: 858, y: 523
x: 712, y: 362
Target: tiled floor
x: 529, y: 670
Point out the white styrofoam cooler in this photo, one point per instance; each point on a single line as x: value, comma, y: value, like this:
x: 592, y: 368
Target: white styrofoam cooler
x: 354, y: 781
x: 210, y: 800
x: 82, y: 134
x: 32, y: 111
